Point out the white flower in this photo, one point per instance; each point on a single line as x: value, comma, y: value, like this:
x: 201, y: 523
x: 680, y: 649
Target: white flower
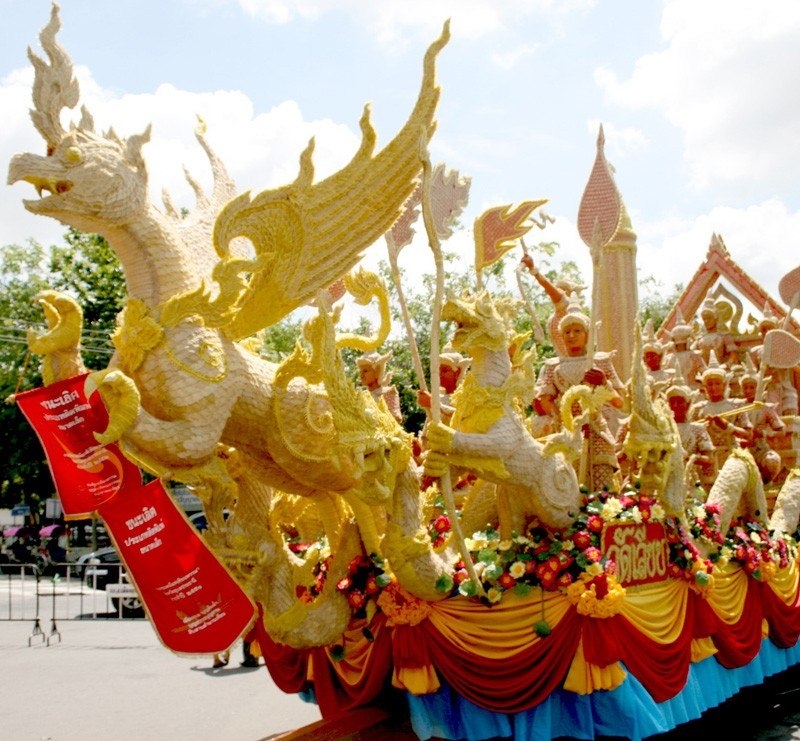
x: 657, y: 513
x: 611, y: 509
x: 755, y: 537
x: 494, y: 594
x: 476, y: 543
x: 699, y: 512
x: 517, y: 569
x: 504, y: 545
x: 635, y: 514
x: 594, y: 569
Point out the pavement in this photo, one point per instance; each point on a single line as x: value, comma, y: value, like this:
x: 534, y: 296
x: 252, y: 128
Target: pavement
x: 109, y: 679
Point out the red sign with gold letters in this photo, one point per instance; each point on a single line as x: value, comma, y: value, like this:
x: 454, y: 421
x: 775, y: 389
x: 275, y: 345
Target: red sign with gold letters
x: 640, y: 551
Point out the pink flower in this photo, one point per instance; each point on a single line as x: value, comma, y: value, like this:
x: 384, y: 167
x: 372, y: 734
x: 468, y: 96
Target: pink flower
x: 565, y: 579
x: 593, y: 554
x: 595, y: 523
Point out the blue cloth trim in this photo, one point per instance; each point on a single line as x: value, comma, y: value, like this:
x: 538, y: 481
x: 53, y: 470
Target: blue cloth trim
x: 627, y: 711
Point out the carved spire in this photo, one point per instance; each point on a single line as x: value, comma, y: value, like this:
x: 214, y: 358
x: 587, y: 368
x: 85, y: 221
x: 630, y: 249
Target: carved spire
x: 600, y: 205
x: 54, y: 86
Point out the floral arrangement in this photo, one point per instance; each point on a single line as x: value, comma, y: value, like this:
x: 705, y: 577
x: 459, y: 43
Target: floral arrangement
x: 572, y: 560
x: 759, y: 552
x: 687, y: 560
x: 539, y: 557
x: 363, y: 583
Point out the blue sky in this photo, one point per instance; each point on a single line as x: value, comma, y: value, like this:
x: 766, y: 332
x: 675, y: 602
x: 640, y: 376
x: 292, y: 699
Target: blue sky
x: 697, y: 100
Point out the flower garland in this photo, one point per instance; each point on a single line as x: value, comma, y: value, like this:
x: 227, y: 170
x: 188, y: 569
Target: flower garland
x: 572, y: 559
x: 363, y: 583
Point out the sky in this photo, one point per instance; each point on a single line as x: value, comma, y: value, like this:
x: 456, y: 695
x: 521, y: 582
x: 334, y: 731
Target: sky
x: 697, y: 99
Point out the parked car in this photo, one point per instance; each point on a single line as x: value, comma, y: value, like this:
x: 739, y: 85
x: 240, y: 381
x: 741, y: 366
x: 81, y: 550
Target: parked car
x: 103, y: 570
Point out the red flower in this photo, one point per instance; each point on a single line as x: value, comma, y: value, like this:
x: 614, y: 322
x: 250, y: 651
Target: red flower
x: 582, y: 539
x: 595, y: 523
x: 442, y: 524
x: 507, y: 581
x: 371, y: 587
x: 460, y: 576
x: 344, y: 583
x: 356, y: 599
x: 549, y: 580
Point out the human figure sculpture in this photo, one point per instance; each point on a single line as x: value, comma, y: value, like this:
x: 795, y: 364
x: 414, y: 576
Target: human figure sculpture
x: 695, y: 439
x: 715, y: 336
x: 685, y: 359
x: 373, y: 375
x: 735, y: 376
x: 558, y: 375
x: 559, y: 293
x: 766, y: 424
x: 658, y: 376
x: 725, y: 426
x: 452, y: 365
x: 782, y: 385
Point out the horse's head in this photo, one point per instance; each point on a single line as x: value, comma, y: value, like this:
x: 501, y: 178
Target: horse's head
x: 478, y: 323
x: 89, y: 181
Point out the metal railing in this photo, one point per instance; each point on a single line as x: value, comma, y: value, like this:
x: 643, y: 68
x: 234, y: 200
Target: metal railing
x: 62, y: 592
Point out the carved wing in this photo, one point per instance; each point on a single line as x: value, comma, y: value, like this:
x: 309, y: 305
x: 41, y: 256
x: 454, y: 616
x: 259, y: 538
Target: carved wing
x: 307, y: 235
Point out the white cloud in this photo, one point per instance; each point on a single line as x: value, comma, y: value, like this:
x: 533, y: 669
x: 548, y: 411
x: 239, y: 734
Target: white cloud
x: 761, y: 238
x: 619, y: 141
x: 260, y: 150
x: 726, y: 78
x: 393, y: 21
x: 509, y: 59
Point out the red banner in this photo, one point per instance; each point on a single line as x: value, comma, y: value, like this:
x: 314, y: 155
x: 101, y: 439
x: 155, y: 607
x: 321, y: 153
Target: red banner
x: 194, y: 603
x: 641, y: 551
x: 86, y: 474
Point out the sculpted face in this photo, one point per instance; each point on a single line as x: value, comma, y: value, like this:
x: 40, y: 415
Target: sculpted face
x: 679, y: 407
x: 709, y: 320
x: 368, y: 377
x: 715, y: 388
x: 749, y: 389
x: 575, y: 338
x: 652, y: 359
x: 448, y: 378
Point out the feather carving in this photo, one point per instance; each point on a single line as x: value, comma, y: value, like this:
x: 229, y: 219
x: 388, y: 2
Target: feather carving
x: 308, y: 235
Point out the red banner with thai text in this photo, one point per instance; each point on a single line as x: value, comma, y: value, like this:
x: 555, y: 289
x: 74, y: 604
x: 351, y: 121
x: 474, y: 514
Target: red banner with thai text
x: 641, y: 551
x: 194, y: 603
x: 86, y: 474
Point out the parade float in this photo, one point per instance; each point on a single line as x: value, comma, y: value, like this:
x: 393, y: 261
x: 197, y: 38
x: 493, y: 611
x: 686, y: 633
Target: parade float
x: 502, y: 581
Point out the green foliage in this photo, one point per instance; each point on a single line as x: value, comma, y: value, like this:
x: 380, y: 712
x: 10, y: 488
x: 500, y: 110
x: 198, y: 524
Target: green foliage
x: 86, y: 269
x: 279, y: 340
x: 654, y: 303
x: 22, y: 274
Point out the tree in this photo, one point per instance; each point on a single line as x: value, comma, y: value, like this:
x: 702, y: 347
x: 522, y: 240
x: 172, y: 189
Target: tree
x: 24, y: 476
x: 87, y: 269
